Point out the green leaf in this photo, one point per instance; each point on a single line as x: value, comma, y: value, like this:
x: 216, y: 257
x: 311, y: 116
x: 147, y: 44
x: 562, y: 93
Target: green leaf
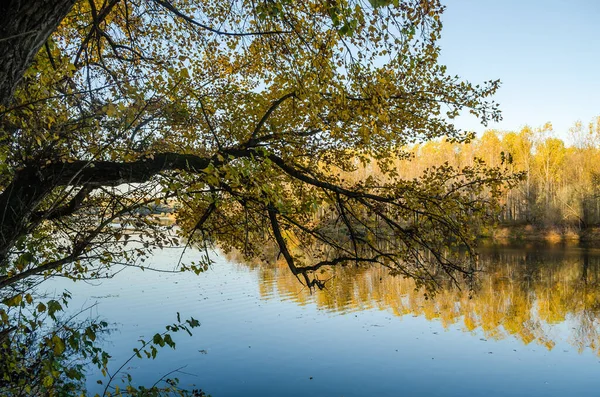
x: 58, y: 345
x: 53, y: 307
x: 14, y: 301
x: 382, y: 3
x: 90, y: 334
x: 48, y: 381
x: 169, y: 341
x: 158, y: 339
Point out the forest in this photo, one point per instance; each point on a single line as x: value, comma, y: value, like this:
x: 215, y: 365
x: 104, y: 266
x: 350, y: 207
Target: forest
x: 560, y: 181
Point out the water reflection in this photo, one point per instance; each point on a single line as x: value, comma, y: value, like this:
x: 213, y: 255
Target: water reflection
x: 525, y: 293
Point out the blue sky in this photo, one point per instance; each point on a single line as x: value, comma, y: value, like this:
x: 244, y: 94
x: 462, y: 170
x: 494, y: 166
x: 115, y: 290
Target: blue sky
x: 547, y: 54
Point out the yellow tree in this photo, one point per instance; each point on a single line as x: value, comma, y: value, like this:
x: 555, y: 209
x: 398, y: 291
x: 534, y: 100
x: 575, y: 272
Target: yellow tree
x: 549, y: 161
x: 584, y: 160
x: 489, y: 147
x: 519, y: 147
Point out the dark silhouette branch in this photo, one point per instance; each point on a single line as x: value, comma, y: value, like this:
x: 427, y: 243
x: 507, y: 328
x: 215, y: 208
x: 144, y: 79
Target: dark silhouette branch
x: 68, y: 209
x: 268, y: 113
x: 167, y: 5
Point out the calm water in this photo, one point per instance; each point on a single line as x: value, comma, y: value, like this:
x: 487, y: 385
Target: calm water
x: 531, y: 329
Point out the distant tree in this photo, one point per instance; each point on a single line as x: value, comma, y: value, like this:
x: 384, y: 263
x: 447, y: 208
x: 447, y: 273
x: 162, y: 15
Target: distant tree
x: 519, y: 147
x: 549, y: 163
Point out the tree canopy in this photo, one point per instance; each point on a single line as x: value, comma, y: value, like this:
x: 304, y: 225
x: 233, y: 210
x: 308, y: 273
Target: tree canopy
x: 245, y: 116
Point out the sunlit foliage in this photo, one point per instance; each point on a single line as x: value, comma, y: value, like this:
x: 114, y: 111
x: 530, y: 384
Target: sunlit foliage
x: 242, y: 117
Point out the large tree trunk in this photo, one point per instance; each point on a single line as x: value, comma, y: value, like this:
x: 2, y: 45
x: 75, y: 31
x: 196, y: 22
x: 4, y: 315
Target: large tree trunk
x: 25, y: 25
x: 20, y: 200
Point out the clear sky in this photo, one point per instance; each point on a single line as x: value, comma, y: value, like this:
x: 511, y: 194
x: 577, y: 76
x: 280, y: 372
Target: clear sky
x: 546, y: 52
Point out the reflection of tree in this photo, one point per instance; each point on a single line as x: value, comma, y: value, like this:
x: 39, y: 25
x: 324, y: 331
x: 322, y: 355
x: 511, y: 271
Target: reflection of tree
x: 519, y: 293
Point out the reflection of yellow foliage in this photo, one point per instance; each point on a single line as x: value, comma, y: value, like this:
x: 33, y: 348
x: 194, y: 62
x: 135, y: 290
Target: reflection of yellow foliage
x: 516, y: 295
x: 470, y: 322
x: 549, y: 344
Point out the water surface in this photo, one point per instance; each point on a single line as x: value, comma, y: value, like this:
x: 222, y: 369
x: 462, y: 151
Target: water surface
x: 530, y: 327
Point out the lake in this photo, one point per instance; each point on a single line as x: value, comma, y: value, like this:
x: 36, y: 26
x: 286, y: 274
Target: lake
x: 530, y: 327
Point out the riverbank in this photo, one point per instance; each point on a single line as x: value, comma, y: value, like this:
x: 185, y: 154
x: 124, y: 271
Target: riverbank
x: 554, y: 234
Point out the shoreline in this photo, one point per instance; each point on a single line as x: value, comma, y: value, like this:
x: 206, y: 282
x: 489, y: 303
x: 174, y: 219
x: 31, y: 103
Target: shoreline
x: 552, y: 234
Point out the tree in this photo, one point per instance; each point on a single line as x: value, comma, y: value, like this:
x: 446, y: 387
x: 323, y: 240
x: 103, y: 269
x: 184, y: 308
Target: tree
x: 519, y: 147
x: 246, y: 115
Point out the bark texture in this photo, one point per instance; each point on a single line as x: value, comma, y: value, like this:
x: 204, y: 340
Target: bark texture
x: 25, y: 25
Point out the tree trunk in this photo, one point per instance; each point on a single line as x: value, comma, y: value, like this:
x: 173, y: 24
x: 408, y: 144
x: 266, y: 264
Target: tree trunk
x: 25, y: 25
x: 21, y: 198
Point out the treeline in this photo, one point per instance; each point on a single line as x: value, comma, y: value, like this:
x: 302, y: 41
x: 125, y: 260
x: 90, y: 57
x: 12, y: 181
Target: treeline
x: 561, y: 183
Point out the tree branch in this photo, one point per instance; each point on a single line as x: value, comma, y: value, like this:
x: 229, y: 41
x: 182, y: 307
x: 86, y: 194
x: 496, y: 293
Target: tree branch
x: 268, y: 113
x: 167, y: 5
